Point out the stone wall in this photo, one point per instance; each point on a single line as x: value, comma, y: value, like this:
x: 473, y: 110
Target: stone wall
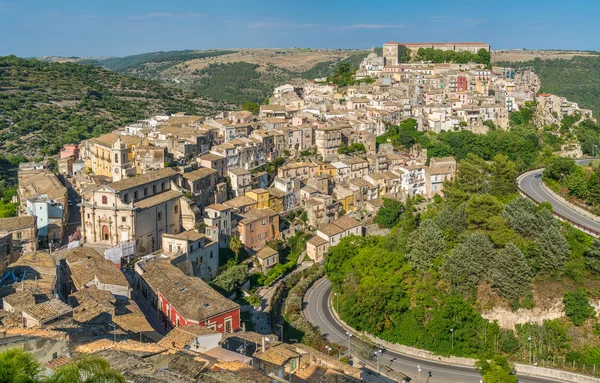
x: 522, y: 369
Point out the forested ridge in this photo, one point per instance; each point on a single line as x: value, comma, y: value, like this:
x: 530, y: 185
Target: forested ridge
x: 45, y: 105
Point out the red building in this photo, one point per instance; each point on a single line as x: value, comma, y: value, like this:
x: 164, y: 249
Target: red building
x: 180, y: 300
x: 461, y: 83
x: 70, y: 150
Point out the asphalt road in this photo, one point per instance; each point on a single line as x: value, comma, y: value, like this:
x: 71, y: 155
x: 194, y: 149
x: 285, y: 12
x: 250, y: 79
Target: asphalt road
x: 318, y: 312
x: 531, y: 185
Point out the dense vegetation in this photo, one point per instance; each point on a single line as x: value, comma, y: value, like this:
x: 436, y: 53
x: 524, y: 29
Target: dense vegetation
x: 577, y: 79
x: 238, y: 82
x: 45, y: 105
x: 439, y: 56
x: 149, y: 61
x: 482, y: 243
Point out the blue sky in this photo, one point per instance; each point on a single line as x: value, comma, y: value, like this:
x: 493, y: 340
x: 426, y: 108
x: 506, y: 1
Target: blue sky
x: 118, y: 28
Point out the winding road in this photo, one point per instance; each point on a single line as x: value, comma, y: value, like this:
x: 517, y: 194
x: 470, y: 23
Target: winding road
x: 530, y: 183
x: 318, y: 312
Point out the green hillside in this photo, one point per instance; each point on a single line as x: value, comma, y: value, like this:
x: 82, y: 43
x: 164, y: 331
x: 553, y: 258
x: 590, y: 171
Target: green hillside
x: 45, y: 105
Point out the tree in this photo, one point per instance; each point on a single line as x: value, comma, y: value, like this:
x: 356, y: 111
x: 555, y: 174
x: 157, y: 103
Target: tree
x: 87, y: 369
x: 480, y: 208
x: 343, y: 148
x: 497, y: 370
x: 577, y: 183
x: 484, y: 56
x: 471, y: 177
x: 511, y: 275
x: 251, y: 107
x: 503, y: 176
x: 231, y: 278
x: 577, y: 307
x: 452, y: 221
x: 592, y: 256
x: 467, y: 264
x: 235, y: 245
x: 560, y: 166
x: 426, y: 245
x: 19, y: 366
x: 554, y: 250
x: 389, y: 214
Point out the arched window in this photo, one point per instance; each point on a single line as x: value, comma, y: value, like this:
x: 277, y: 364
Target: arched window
x: 116, y: 157
x: 104, y: 200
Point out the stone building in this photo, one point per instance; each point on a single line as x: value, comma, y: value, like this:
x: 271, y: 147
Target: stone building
x: 141, y: 208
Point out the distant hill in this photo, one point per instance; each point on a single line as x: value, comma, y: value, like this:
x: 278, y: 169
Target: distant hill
x: 235, y: 76
x: 45, y: 105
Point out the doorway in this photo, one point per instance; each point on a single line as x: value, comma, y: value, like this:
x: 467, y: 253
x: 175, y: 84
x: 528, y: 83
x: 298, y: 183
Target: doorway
x: 105, y: 233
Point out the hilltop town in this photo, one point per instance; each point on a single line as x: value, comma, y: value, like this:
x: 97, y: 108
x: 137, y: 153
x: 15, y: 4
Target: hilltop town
x: 162, y: 242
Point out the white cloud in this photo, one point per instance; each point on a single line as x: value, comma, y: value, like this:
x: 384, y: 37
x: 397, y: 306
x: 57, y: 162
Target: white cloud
x: 373, y: 26
x: 166, y: 15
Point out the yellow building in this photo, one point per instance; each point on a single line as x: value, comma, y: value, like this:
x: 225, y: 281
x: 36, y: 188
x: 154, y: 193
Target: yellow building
x: 261, y: 196
x: 276, y: 199
x: 327, y: 169
x: 110, y: 155
x: 345, y: 197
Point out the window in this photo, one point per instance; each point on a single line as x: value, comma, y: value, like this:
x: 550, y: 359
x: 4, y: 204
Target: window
x: 259, y: 236
x: 262, y: 222
x: 20, y: 235
x: 116, y: 157
x: 153, y: 189
x: 266, y: 235
x: 104, y: 200
x: 145, y: 192
x: 126, y: 198
x: 176, y: 209
x: 135, y: 195
x: 162, y: 186
x: 123, y: 219
x: 159, y: 215
x: 211, y: 255
x: 88, y: 215
x: 251, y: 239
x: 170, y: 247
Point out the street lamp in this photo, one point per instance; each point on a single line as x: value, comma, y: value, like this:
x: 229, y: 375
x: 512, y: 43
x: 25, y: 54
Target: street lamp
x: 328, y: 349
x: 377, y: 353
x: 530, y: 354
x: 419, y: 370
x: 349, y: 342
x: 428, y: 376
x: 281, y: 331
x: 452, y: 331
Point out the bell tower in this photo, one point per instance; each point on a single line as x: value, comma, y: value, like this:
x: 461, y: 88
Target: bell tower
x: 120, y: 160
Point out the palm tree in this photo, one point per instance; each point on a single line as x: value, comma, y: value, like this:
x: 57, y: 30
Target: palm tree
x: 19, y: 366
x: 87, y: 369
x: 235, y: 245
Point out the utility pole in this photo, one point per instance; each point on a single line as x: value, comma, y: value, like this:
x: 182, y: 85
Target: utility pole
x: 452, y: 331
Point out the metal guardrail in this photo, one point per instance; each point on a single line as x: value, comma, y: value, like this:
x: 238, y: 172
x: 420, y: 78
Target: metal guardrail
x: 583, y: 228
